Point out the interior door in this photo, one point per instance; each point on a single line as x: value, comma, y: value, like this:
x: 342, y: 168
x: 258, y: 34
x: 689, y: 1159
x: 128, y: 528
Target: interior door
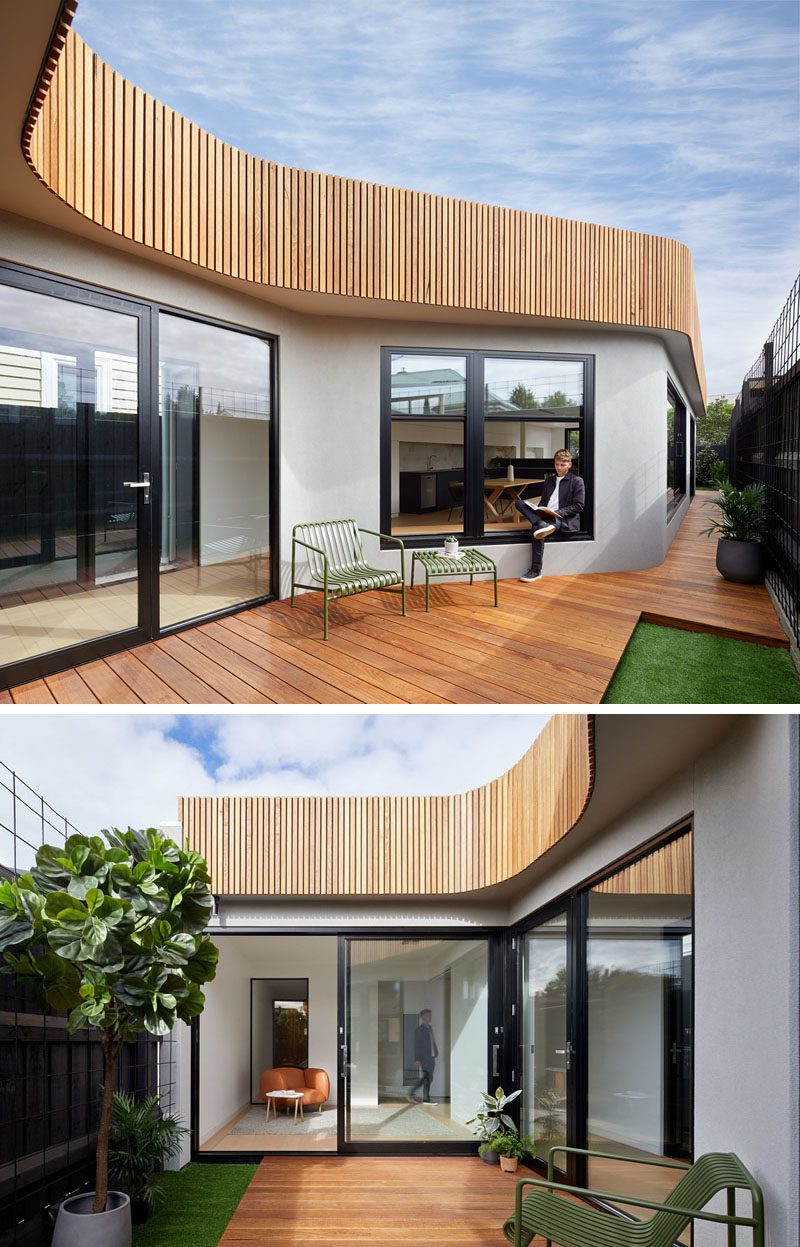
x: 74, y: 441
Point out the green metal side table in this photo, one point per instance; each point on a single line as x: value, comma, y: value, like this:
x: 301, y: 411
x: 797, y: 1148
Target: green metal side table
x: 435, y: 564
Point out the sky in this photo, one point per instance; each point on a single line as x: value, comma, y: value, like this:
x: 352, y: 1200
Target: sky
x: 677, y: 119
x: 120, y: 769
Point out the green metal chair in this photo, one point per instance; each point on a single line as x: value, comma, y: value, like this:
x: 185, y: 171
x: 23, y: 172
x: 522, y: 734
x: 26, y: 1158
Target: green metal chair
x: 337, y: 565
x: 570, y: 1224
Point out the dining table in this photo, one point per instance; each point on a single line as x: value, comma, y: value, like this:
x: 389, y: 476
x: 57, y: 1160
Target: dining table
x: 494, y: 486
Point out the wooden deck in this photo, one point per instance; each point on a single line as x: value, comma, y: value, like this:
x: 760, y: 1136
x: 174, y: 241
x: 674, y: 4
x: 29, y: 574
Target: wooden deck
x: 334, y: 1200
x: 557, y: 641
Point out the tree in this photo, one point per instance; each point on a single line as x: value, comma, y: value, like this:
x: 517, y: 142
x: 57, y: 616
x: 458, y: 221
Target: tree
x: 714, y: 427
x: 522, y: 397
x: 116, y: 935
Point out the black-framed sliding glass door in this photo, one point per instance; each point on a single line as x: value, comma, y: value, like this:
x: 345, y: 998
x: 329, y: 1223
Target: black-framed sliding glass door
x: 547, y: 1045
x: 607, y: 1022
x: 413, y: 1042
x: 138, y: 476
x: 215, y: 433
x: 75, y: 514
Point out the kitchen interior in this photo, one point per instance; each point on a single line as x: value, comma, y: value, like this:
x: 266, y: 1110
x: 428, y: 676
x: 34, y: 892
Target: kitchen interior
x: 428, y: 471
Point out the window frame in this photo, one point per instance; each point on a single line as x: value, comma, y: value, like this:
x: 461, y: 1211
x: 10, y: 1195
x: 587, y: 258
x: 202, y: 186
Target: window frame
x: 474, y: 423
x: 679, y: 432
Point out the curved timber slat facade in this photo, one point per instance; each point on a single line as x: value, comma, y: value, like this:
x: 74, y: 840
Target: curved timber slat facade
x: 393, y: 846
x: 138, y: 168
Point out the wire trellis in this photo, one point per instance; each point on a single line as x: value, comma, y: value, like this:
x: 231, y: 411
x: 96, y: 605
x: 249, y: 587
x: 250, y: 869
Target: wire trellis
x: 49, y: 1080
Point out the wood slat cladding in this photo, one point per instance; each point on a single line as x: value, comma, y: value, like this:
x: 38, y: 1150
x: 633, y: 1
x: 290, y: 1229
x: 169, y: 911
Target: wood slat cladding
x: 138, y: 168
x: 667, y: 871
x: 383, y: 846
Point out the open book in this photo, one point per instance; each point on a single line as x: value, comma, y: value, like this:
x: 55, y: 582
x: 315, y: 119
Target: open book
x: 537, y: 506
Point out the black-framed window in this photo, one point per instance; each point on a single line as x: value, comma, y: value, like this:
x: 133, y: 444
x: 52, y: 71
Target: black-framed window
x: 465, y: 433
x: 676, y: 448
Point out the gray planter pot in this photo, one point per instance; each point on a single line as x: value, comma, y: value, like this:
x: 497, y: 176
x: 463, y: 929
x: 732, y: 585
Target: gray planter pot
x: 488, y: 1156
x: 740, y: 561
x: 78, y: 1226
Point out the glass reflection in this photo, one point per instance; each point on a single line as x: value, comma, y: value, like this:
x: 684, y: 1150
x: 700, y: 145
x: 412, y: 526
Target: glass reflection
x: 215, y: 435
x: 639, y: 967
x: 417, y: 1024
x: 69, y: 425
x: 544, y: 1036
x: 425, y: 385
x: 546, y: 386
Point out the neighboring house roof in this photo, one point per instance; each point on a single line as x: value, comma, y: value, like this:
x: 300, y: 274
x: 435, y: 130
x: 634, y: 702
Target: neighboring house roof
x: 138, y: 169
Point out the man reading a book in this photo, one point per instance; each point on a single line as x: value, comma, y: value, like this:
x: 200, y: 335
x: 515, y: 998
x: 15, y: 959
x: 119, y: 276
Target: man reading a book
x: 561, y: 503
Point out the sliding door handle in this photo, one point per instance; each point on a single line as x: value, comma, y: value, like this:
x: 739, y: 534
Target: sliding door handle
x: 143, y: 484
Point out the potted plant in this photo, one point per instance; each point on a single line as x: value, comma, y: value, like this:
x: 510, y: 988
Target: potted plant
x: 142, y: 1138
x: 740, y: 527
x: 115, y: 933
x: 511, y: 1148
x: 490, y: 1119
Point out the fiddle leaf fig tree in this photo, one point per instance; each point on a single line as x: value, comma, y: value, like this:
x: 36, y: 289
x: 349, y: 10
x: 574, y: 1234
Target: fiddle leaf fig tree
x: 115, y: 933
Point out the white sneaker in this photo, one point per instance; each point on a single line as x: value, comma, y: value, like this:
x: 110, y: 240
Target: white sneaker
x: 530, y: 576
x: 544, y: 530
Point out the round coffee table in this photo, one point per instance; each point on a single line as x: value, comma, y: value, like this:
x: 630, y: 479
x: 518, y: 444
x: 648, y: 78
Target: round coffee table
x: 274, y: 1096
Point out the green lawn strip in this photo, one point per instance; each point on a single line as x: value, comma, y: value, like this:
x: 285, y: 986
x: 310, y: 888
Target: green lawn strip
x: 667, y: 665
x: 198, y: 1204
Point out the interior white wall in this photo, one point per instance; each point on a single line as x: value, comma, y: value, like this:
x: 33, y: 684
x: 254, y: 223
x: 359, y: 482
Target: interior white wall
x: 225, y: 1022
x: 743, y: 792
x: 329, y: 401
x: 225, y: 1042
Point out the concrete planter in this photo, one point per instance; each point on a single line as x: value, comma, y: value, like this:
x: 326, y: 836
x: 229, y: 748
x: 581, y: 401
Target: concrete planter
x: 487, y: 1155
x: 78, y: 1226
x: 740, y: 561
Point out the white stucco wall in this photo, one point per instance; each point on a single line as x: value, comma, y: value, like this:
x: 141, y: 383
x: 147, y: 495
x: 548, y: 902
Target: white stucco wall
x: 329, y: 401
x: 744, y: 795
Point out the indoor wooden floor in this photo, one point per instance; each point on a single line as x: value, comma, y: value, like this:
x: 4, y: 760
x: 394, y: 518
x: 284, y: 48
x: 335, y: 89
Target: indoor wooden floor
x: 334, y: 1200
x: 555, y: 641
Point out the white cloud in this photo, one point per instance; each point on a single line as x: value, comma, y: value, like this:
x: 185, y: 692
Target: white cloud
x: 676, y: 119
x: 116, y: 769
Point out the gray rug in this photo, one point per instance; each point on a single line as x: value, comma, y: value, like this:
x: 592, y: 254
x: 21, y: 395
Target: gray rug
x: 387, y: 1121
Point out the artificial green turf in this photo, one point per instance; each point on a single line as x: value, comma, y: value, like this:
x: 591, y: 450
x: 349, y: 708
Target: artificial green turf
x: 199, y: 1201
x: 667, y: 665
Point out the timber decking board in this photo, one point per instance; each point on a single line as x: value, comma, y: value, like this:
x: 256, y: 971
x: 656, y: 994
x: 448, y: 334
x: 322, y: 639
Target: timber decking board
x: 555, y: 642
x: 336, y: 1201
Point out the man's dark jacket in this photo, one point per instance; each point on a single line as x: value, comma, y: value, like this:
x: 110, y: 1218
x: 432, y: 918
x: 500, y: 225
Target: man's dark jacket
x: 425, y: 1050
x: 571, y: 497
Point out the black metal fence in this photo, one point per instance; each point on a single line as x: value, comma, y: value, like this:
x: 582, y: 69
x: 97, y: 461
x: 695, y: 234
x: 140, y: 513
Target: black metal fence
x: 49, y: 1080
x: 765, y: 446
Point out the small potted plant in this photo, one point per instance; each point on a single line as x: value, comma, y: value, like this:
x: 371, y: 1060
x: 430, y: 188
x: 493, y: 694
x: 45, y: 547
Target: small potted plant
x: 142, y: 1138
x: 451, y: 546
x: 740, y: 527
x: 490, y: 1119
x: 511, y: 1148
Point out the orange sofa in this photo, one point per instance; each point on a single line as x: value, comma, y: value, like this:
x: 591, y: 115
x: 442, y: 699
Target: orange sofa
x: 314, y: 1084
